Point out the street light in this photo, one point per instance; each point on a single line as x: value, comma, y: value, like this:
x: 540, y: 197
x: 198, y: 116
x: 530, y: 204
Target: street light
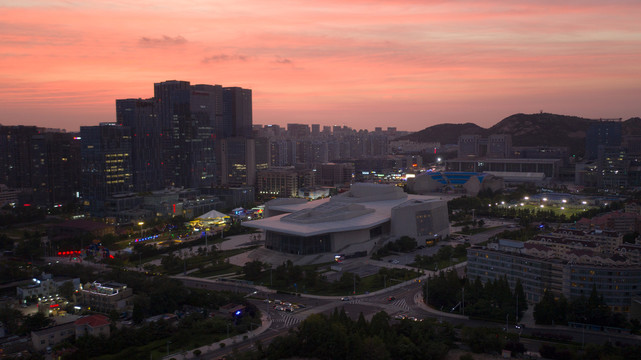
x: 141, y: 224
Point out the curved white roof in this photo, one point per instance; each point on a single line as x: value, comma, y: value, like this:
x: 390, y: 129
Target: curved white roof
x: 337, y: 215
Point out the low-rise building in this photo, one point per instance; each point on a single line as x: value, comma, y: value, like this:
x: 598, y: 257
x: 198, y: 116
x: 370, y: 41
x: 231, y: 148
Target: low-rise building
x: 51, y: 336
x: 106, y: 297
x: 93, y: 325
x: 45, y: 285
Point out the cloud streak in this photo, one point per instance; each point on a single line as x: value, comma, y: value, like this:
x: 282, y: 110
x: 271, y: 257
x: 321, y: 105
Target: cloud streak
x: 162, y: 41
x: 224, y: 58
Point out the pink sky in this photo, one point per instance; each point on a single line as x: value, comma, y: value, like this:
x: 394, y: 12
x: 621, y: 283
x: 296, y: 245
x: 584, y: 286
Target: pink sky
x: 360, y: 63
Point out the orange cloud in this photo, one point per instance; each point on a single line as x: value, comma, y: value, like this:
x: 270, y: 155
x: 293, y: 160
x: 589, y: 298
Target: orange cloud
x: 362, y: 62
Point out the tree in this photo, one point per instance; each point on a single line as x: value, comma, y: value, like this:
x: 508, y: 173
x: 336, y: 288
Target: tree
x: 406, y: 244
x: 253, y: 270
x: 630, y: 238
x: 34, y: 322
x: 66, y: 290
x: 520, y: 298
x: 5, y: 242
x: 483, y: 340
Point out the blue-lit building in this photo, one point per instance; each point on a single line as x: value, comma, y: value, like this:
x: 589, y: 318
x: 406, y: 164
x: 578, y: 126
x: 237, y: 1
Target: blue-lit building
x: 471, y: 182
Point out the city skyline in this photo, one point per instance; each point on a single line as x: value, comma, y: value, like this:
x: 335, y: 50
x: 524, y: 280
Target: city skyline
x: 363, y: 64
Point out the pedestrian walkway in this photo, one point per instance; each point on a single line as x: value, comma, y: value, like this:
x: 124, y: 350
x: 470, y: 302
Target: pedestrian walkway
x: 528, y: 317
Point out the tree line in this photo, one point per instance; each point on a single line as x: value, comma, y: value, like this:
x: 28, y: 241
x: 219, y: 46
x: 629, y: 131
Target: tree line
x: 591, y: 310
x: 491, y: 300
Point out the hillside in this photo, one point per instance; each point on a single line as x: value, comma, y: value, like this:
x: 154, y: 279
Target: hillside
x: 444, y: 133
x: 526, y: 130
x: 545, y: 130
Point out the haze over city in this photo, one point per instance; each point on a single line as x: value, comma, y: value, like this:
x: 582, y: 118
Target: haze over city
x: 408, y: 64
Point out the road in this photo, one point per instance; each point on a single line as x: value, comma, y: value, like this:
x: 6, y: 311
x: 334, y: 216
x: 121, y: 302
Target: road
x: 403, y: 299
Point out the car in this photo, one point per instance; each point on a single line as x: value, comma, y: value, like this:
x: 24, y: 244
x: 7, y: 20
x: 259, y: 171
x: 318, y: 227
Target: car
x: 395, y: 262
x: 345, y: 298
x: 391, y: 298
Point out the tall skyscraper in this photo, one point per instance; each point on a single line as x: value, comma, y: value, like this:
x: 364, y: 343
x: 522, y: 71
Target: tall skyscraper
x: 602, y: 133
x: 55, y: 168
x: 15, y: 161
x: 188, y: 116
x: 146, y: 156
x: 106, y: 164
x: 237, y: 113
x: 237, y: 162
x: 175, y: 133
x: 43, y: 163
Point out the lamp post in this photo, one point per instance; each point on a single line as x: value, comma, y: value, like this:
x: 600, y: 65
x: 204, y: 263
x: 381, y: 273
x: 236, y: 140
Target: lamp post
x: 141, y: 224
x: 427, y: 291
x: 507, y: 316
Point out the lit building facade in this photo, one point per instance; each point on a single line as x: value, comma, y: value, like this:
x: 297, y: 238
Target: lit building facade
x: 106, y: 164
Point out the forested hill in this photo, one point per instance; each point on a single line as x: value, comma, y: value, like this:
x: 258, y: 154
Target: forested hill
x: 527, y: 130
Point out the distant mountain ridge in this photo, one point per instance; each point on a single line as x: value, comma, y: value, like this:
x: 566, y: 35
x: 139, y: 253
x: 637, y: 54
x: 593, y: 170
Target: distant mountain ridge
x: 542, y: 129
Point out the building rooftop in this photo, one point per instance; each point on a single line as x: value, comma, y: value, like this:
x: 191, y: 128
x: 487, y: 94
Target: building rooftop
x: 93, y: 320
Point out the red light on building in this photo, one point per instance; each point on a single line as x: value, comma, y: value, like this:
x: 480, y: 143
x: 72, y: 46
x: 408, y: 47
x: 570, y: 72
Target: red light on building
x: 174, y: 206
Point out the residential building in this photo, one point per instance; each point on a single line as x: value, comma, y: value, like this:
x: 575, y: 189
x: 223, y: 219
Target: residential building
x: 332, y: 174
x: 283, y: 181
x: 567, y: 261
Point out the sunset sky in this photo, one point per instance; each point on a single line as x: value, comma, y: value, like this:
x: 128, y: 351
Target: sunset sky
x: 360, y: 63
